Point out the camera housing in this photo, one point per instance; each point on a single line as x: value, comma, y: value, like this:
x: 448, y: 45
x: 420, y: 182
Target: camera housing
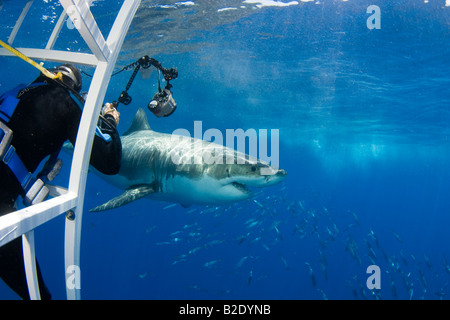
x: 163, y: 104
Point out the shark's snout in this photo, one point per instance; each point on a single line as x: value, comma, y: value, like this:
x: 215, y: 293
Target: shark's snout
x: 275, y: 177
x: 263, y: 179
x: 281, y: 173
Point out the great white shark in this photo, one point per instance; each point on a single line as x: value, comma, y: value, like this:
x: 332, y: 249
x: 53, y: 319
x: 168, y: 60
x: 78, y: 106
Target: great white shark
x: 170, y: 168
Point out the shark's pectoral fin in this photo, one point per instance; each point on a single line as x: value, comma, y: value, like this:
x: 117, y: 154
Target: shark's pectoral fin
x: 131, y: 194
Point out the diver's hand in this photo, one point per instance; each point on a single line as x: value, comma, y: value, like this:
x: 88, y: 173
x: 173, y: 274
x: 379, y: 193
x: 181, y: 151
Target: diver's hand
x: 110, y: 112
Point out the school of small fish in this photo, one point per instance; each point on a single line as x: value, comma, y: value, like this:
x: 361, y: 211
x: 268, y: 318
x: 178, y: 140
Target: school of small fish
x: 240, y: 241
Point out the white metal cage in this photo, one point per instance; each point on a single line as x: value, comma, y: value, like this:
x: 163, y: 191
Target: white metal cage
x: 69, y: 200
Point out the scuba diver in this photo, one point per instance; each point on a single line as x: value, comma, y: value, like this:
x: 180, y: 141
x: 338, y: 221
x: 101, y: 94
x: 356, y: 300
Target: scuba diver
x: 35, y: 121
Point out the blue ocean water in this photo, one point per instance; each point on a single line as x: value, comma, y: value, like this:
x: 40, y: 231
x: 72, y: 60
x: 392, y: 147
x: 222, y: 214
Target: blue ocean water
x: 363, y: 120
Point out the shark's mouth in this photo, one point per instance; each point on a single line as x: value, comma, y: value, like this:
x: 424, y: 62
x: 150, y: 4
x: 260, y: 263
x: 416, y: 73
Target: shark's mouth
x: 241, y: 187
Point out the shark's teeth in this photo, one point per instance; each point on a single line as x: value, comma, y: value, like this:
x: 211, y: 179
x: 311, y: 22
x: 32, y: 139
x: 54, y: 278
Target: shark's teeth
x: 241, y: 187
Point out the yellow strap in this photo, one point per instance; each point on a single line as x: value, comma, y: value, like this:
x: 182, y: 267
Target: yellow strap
x: 33, y: 63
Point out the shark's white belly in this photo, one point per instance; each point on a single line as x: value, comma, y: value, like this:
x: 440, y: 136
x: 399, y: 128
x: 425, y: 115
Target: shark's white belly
x: 204, y: 190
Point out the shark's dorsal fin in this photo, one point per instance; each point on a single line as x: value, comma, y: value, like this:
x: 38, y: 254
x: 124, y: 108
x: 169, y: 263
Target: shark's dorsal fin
x: 140, y: 122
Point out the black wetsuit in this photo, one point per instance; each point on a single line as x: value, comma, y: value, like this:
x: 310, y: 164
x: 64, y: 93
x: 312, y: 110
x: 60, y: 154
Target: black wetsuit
x: 44, y: 119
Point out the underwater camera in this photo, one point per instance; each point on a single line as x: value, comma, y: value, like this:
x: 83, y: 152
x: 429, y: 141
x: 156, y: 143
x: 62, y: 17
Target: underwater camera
x: 163, y: 104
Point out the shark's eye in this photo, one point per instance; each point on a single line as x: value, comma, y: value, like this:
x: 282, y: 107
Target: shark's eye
x: 253, y: 168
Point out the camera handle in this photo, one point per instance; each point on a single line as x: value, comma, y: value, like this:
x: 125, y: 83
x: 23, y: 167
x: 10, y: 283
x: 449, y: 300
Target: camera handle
x: 144, y: 62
